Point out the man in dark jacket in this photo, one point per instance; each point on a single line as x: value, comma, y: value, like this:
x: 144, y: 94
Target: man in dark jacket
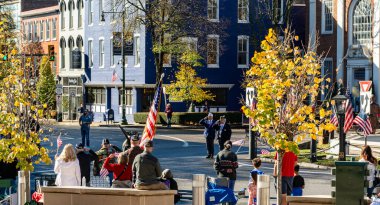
x: 147, y: 170
x: 85, y: 157
x: 224, y: 131
x: 133, y: 152
x: 209, y: 134
x: 226, y: 164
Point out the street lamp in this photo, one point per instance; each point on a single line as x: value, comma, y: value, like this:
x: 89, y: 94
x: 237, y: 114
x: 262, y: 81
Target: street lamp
x: 340, y: 104
x: 124, y: 119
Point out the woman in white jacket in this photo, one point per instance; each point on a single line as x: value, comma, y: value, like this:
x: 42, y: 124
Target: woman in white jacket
x: 67, y: 168
x: 367, y: 156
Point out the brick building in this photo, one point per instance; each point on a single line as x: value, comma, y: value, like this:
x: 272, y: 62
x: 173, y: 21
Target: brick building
x: 348, y: 36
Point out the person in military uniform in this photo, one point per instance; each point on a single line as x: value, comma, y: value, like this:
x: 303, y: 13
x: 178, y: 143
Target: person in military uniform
x: 133, y: 151
x: 209, y: 133
x: 84, y: 121
x: 374, y: 114
x: 104, y: 152
x: 224, y: 131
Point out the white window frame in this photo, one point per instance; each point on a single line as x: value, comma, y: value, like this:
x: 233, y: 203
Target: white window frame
x: 245, y: 38
x: 80, y: 14
x: 282, y: 6
x: 137, y: 50
x: 323, y: 17
x: 42, y: 32
x: 90, y: 53
x: 47, y: 30
x: 90, y: 12
x: 101, y: 53
x: 360, y: 33
x: 246, y: 10
x: 216, y: 19
x: 54, y: 29
x: 112, y: 57
x: 101, y: 5
x: 35, y: 31
x: 329, y: 59
x: 63, y: 23
x: 63, y: 57
x: 30, y: 34
x: 217, y: 51
x: 71, y: 16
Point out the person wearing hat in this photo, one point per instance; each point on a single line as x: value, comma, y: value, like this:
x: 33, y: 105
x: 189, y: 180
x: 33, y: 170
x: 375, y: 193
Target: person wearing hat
x: 86, y: 156
x: 133, y: 152
x: 84, y: 121
x: 147, y: 170
x: 104, y: 152
x: 226, y: 164
x: 224, y: 131
x: 209, y: 133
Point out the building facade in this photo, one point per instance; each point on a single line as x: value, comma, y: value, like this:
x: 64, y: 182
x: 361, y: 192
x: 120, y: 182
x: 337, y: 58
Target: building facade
x: 71, y: 54
x: 348, y: 37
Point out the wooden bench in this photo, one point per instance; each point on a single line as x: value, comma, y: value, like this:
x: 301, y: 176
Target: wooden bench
x: 313, y: 200
x: 101, y: 196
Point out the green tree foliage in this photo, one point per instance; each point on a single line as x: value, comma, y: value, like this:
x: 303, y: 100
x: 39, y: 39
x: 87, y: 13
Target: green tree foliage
x: 46, y: 84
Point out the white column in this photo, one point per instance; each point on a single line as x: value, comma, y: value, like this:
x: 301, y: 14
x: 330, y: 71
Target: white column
x: 312, y: 22
x: 376, y: 49
x: 340, y: 40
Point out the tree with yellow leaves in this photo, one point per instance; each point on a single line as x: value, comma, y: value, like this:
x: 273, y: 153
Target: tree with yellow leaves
x: 288, y: 84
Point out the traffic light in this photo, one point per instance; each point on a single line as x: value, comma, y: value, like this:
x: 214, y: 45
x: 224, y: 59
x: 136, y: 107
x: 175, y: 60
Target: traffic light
x: 4, y: 51
x: 51, y: 53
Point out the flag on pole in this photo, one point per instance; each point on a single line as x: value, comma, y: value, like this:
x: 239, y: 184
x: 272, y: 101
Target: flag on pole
x: 114, y: 76
x: 349, y: 116
x: 334, y: 118
x: 150, y: 126
x: 363, y: 121
x: 59, y: 141
x: 104, y: 172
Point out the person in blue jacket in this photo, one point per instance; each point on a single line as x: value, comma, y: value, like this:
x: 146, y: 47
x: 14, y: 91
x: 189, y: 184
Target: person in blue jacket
x: 209, y: 133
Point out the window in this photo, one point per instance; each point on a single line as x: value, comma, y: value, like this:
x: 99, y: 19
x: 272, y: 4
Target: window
x: 35, y: 37
x: 192, y: 43
x: 243, y: 11
x: 63, y: 46
x: 90, y: 54
x: 29, y: 31
x: 137, y: 51
x: 71, y: 17
x: 47, y: 29
x: 101, y: 53
x: 326, y: 72
x: 71, y: 46
x: 41, y: 30
x: 327, y: 18
x: 243, y: 51
x: 278, y: 11
x: 100, y: 9
x: 362, y: 23
x: 112, y: 59
x: 213, y: 51
x: 128, y: 97
x: 91, y: 12
x: 96, y: 96
x: 63, y: 8
x: 80, y: 14
x: 54, y: 28
x: 213, y: 9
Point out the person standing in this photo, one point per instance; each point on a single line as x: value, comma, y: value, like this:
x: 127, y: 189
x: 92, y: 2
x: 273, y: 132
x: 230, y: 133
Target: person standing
x: 133, y: 152
x: 169, y: 114
x: 104, y: 152
x: 81, y: 109
x: 289, y: 160
x: 67, y: 167
x: 147, y: 170
x: 298, y: 182
x: 226, y: 164
x: 224, y: 131
x: 84, y: 122
x: 85, y: 157
x: 367, y: 156
x: 209, y: 134
x: 374, y: 114
x: 119, y: 169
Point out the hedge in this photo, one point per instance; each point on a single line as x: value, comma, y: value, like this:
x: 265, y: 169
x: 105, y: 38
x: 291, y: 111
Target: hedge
x: 188, y: 118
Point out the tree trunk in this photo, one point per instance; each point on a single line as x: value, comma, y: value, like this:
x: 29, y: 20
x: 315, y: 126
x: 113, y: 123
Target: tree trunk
x: 280, y: 155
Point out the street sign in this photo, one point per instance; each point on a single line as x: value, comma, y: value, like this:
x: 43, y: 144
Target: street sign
x: 58, y: 89
x: 249, y: 96
x: 365, y: 96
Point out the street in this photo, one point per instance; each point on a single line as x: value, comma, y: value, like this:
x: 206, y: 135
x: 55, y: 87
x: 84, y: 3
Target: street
x: 183, y: 151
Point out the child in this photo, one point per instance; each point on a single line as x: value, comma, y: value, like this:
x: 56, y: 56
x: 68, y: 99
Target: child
x: 298, y: 182
x: 252, y: 188
x: 256, y: 165
x: 167, y: 179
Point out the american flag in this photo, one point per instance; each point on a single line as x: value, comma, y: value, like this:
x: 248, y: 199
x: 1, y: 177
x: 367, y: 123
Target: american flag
x: 334, y: 118
x: 114, y: 76
x: 349, y: 117
x: 59, y: 141
x: 104, y: 172
x: 363, y: 121
x: 150, y: 127
x: 264, y: 151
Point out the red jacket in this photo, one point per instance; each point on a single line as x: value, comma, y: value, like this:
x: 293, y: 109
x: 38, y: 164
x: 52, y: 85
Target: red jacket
x: 117, y: 169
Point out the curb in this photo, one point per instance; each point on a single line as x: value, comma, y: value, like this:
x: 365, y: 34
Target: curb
x: 302, y: 164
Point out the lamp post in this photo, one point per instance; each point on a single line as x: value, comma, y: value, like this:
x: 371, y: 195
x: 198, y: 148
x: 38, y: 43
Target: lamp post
x: 124, y: 119
x: 339, y: 102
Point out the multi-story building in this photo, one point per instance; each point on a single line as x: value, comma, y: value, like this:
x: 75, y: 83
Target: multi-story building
x: 40, y: 32
x: 71, y: 73
x: 14, y: 7
x: 348, y: 36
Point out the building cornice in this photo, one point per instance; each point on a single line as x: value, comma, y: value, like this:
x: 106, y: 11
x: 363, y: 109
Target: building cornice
x: 36, y: 12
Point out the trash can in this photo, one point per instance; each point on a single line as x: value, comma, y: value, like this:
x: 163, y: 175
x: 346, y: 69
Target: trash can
x: 110, y: 116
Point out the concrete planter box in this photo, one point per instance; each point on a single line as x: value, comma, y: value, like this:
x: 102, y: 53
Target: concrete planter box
x: 101, y: 196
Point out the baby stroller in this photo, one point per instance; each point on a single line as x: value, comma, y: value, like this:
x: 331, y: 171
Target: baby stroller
x: 219, y: 192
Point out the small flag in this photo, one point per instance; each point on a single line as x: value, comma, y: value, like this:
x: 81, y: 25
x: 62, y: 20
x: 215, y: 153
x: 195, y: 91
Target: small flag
x: 238, y: 142
x: 363, y: 121
x: 334, y: 118
x: 104, y: 172
x: 114, y: 76
x: 349, y: 116
x: 264, y: 151
x: 59, y: 141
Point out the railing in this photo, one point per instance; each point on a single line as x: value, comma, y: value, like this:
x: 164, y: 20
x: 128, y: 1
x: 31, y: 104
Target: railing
x: 212, y: 108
